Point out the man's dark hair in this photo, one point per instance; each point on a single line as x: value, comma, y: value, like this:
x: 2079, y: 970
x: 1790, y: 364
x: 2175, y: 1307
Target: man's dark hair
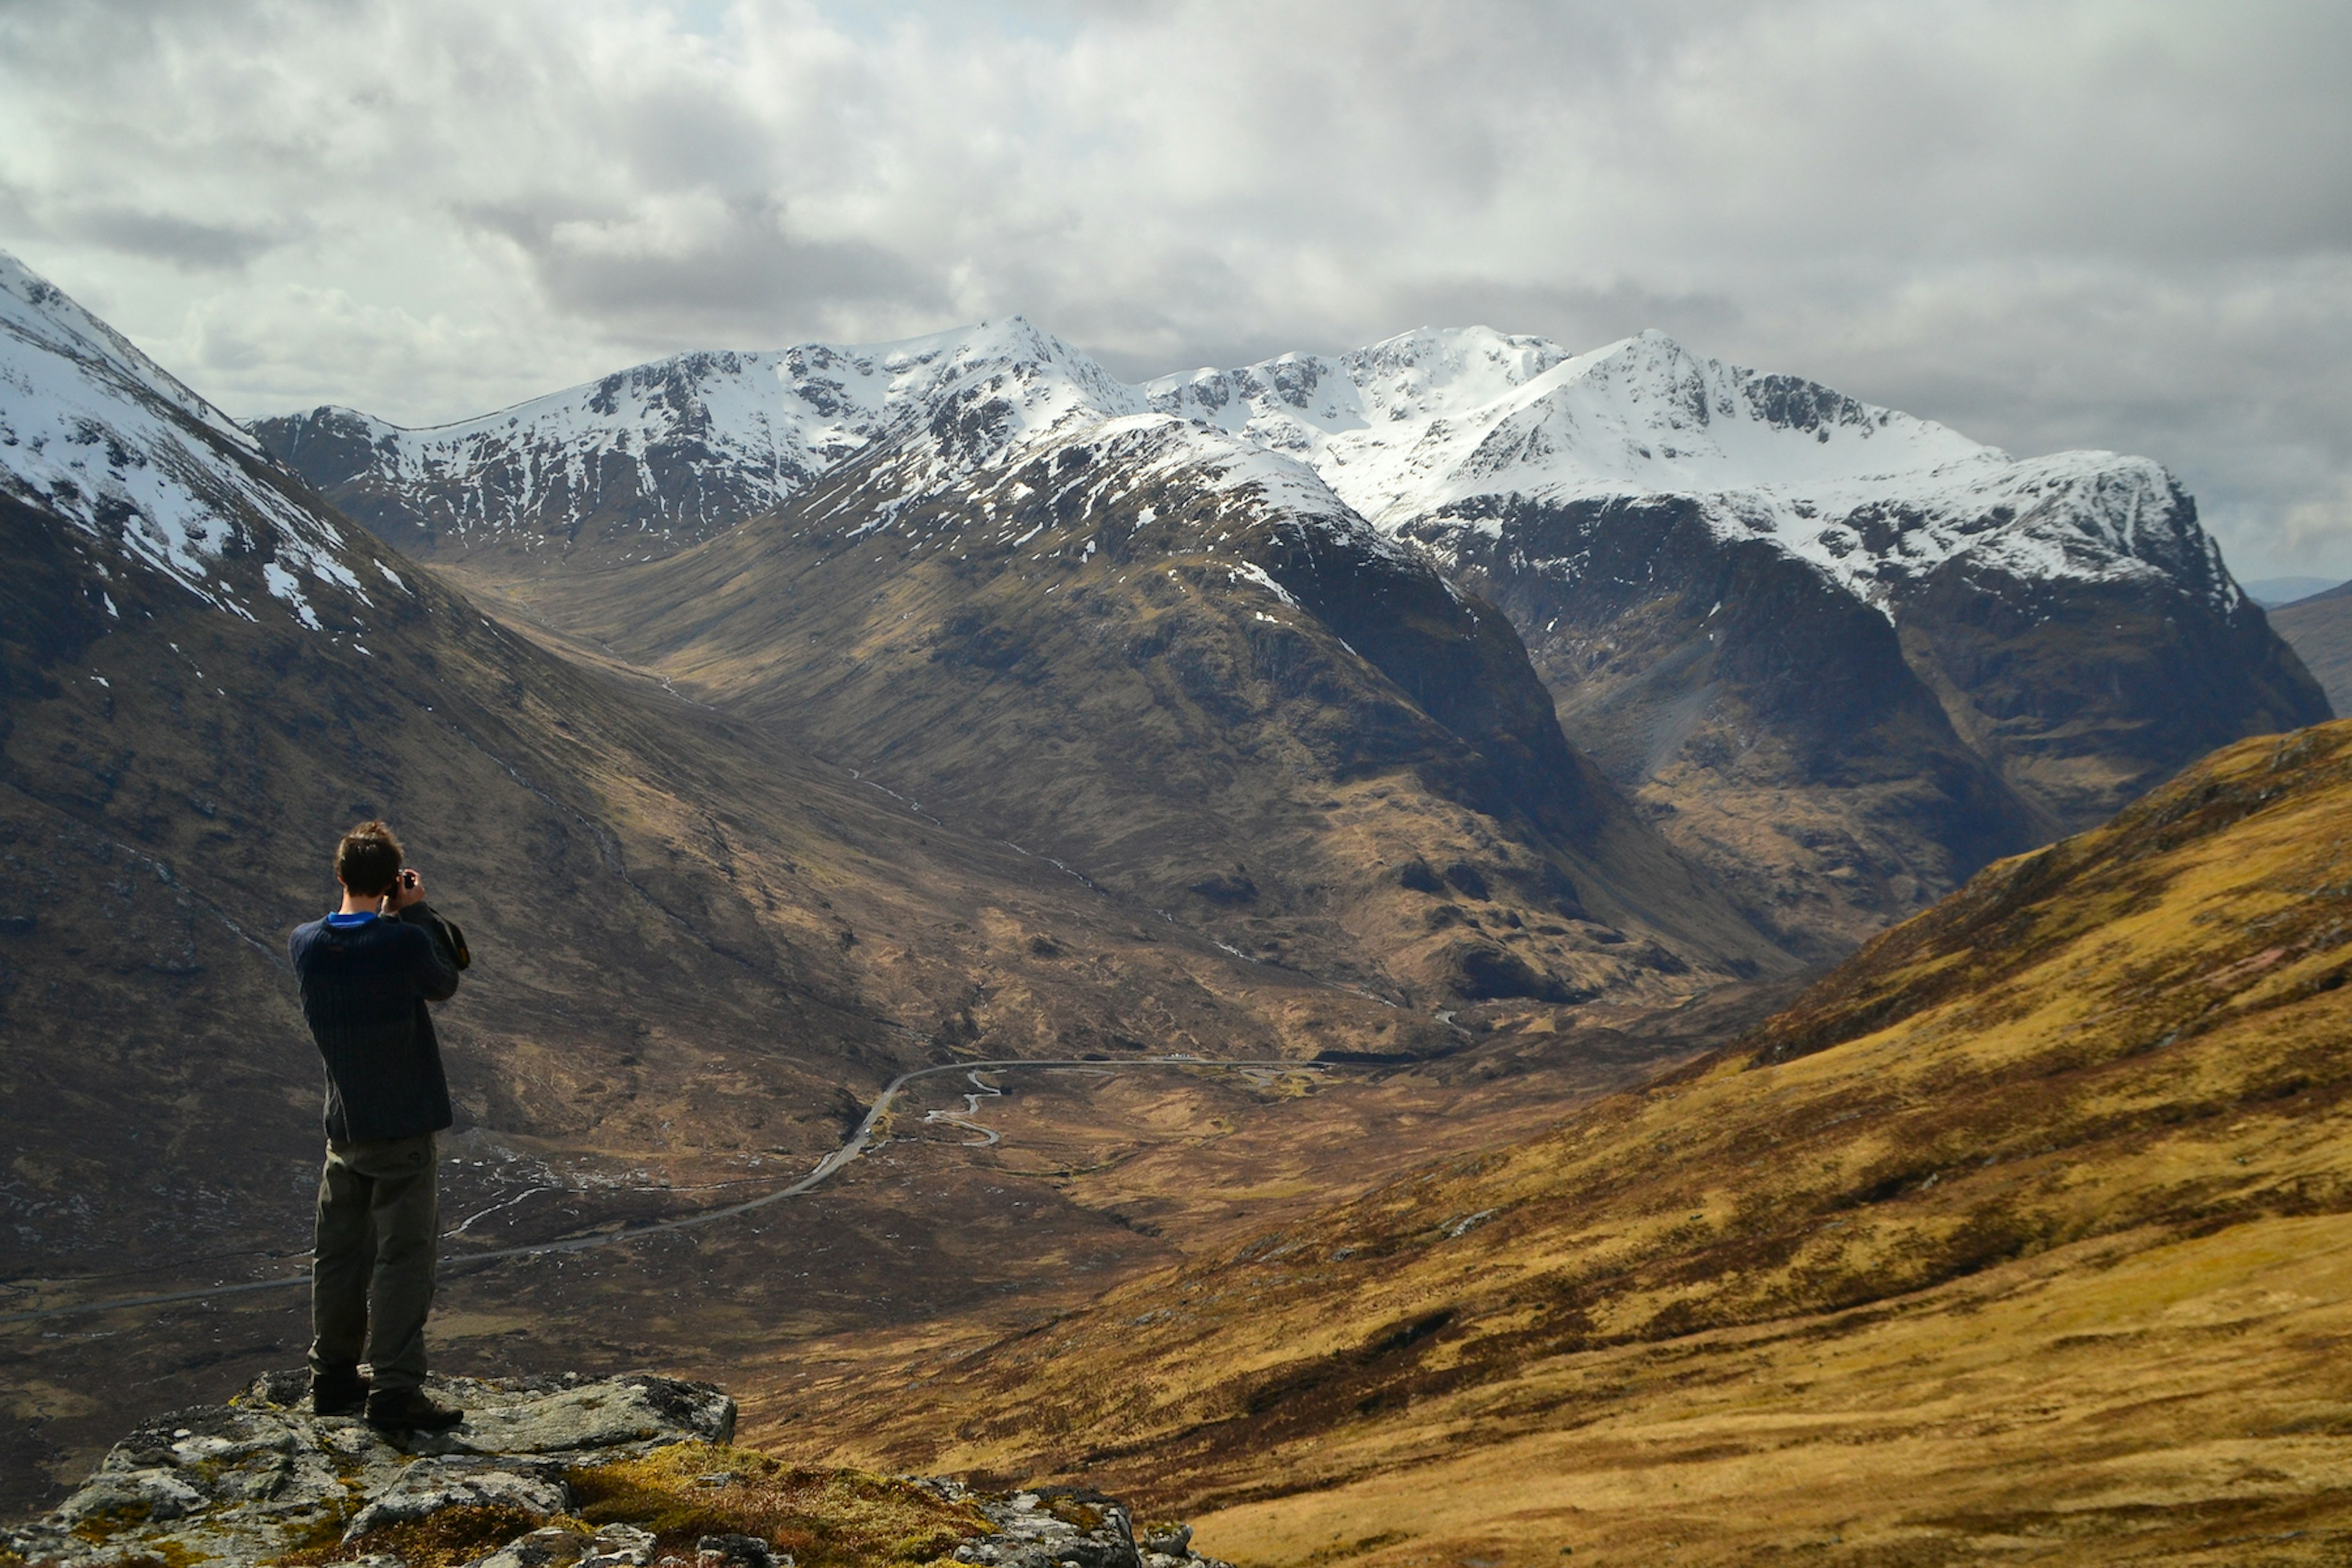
x: 367, y: 860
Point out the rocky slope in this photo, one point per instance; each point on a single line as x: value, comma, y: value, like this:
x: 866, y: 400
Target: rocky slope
x: 2025, y: 1231
x: 1846, y: 654
x: 617, y: 1472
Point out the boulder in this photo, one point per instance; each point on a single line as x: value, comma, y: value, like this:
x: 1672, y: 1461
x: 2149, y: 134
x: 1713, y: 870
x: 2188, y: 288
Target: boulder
x: 737, y: 1552
x: 609, y: 1413
x: 430, y: 1485
x: 1045, y: 1530
x: 556, y: 1546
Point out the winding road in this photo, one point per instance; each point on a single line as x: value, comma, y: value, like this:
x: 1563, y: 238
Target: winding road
x: 855, y: 1145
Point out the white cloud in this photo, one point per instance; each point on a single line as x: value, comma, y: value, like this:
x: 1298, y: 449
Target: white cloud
x: 2124, y: 225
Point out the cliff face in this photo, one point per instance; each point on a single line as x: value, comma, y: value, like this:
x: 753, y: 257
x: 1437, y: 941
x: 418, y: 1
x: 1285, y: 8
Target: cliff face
x: 2086, y: 693
x: 1768, y: 721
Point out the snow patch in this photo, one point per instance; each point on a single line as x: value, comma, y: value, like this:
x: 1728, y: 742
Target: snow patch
x: 1440, y: 431
x: 95, y: 432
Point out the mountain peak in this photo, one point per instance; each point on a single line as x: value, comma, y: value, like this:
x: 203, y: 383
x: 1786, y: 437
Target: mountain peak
x: 647, y: 460
x: 1429, y: 424
x: 96, y: 433
x: 1454, y: 422
x: 42, y: 318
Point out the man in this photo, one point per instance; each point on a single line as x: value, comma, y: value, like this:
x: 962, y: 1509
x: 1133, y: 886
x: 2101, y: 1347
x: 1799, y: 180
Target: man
x: 367, y: 972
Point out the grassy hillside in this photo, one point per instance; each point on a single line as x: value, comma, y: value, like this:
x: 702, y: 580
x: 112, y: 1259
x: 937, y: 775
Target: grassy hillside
x: 2025, y: 1233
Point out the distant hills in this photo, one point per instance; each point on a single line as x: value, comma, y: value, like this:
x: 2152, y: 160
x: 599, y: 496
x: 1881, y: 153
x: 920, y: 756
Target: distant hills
x: 2319, y: 628
x: 1840, y: 657
x: 2272, y: 592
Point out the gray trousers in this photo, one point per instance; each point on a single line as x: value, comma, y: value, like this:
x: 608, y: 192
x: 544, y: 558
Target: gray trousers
x: 371, y: 1273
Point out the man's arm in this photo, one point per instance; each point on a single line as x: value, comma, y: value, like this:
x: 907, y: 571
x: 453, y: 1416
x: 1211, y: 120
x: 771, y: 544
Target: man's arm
x: 436, y: 977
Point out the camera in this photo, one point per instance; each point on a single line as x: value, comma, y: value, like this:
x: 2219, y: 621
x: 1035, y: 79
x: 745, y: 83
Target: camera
x: 407, y: 878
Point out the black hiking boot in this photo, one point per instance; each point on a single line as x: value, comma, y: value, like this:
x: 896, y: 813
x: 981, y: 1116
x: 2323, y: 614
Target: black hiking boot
x: 410, y: 1410
x: 338, y: 1393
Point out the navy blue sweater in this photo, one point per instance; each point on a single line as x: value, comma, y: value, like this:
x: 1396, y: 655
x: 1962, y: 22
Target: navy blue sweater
x: 365, y: 988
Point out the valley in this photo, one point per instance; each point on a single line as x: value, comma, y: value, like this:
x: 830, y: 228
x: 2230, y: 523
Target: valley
x: 2022, y: 1232
x: 1504, y: 750
x: 1101, y: 1171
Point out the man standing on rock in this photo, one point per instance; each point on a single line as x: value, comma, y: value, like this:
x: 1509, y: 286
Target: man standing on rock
x: 367, y: 972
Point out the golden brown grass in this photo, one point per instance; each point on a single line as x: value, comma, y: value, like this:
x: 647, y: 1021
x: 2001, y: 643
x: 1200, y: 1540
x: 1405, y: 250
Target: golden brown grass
x: 441, y: 1539
x: 2027, y: 1233
x: 828, y: 1518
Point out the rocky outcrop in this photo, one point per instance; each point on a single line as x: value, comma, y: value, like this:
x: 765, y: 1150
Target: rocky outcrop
x: 541, y: 1474
x: 253, y: 1480
x: 1056, y: 1526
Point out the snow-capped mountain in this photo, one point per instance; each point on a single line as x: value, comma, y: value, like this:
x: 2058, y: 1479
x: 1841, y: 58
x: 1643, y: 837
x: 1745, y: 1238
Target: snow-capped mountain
x: 205, y: 677
x: 1140, y: 645
x: 1845, y: 653
x: 150, y: 531
x: 649, y: 461
x: 96, y: 433
x: 1421, y: 428
x: 1433, y: 426
x: 1748, y: 593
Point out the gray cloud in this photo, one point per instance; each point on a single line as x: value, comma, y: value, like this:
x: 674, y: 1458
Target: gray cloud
x: 186, y: 243
x: 2118, y: 223
x: 742, y: 266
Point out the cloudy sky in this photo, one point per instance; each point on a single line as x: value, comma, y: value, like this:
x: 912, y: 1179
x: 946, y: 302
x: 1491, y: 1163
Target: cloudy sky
x: 2115, y: 225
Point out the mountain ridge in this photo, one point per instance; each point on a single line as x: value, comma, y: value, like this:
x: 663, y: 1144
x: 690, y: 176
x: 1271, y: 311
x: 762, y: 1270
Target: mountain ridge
x: 904, y: 611
x: 1840, y: 656
x: 654, y: 457
x: 829, y: 400
x: 1604, y: 424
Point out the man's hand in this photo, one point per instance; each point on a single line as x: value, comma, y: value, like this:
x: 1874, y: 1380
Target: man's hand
x: 409, y: 889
